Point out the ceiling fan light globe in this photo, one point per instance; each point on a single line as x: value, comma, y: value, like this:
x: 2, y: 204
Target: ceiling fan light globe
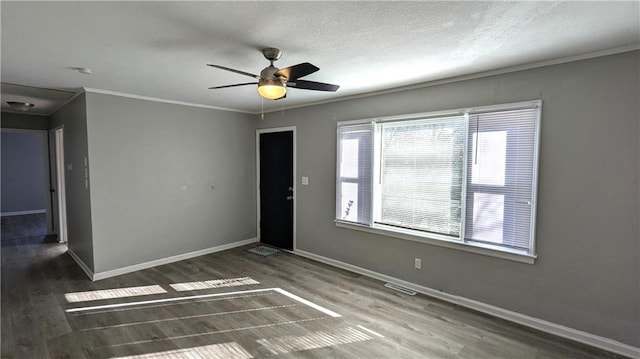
x: 271, y: 89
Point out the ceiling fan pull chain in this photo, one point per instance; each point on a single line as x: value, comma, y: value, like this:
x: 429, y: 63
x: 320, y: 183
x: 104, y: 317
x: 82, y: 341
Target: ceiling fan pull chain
x: 262, y: 108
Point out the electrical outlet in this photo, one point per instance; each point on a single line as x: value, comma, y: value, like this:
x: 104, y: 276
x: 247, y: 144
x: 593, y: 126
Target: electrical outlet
x: 418, y: 263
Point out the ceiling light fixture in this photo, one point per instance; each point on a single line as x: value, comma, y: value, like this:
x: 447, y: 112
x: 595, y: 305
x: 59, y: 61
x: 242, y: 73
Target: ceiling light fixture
x: 85, y: 70
x: 20, y: 106
x: 271, y: 89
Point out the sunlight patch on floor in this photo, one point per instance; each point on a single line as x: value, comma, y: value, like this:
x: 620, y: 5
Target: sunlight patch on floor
x: 202, y: 296
x: 231, y: 350
x: 113, y: 293
x: 164, y: 320
x: 217, y: 283
x: 166, y: 304
x: 164, y: 300
x: 319, y: 339
x: 201, y: 334
x: 308, y: 303
x: 371, y: 331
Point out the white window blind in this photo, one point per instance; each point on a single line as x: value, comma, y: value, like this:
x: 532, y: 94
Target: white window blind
x: 421, y: 175
x: 353, y: 185
x: 500, y: 177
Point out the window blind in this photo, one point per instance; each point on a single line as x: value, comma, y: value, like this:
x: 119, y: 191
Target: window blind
x: 354, y: 173
x: 421, y: 175
x: 500, y: 177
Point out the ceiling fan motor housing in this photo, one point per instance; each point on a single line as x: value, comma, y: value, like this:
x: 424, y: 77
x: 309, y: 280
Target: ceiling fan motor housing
x: 271, y: 53
x: 268, y: 73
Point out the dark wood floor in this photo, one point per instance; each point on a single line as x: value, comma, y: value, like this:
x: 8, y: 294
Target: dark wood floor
x: 51, y: 310
x: 23, y: 228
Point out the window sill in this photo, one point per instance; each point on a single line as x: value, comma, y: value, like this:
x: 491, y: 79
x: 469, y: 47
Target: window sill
x: 488, y: 250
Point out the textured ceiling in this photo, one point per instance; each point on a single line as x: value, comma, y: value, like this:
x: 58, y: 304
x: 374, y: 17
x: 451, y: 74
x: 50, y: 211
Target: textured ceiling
x: 160, y: 49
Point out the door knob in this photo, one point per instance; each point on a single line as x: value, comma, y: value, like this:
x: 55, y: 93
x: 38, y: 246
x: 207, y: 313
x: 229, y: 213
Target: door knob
x: 289, y: 198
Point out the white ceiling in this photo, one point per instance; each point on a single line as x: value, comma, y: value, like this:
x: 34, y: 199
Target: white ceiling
x: 160, y: 49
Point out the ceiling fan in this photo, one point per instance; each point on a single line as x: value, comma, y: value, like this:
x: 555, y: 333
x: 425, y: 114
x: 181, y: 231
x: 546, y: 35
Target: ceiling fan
x: 273, y: 82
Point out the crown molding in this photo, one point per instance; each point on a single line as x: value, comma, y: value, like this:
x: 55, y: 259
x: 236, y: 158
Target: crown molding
x: 162, y: 100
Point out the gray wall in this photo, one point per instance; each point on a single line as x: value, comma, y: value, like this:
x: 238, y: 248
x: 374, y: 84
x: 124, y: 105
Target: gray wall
x: 24, y: 177
x: 73, y: 117
x: 24, y: 121
x: 151, y: 168
x: 587, y: 275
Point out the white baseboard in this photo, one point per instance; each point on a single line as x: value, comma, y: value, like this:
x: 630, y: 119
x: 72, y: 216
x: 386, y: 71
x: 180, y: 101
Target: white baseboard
x: 22, y: 213
x: 179, y: 257
x: 535, y: 323
x: 80, y: 263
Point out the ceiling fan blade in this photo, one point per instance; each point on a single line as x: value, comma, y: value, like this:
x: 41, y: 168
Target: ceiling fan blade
x: 297, y: 71
x: 312, y: 85
x: 234, y: 85
x: 234, y: 70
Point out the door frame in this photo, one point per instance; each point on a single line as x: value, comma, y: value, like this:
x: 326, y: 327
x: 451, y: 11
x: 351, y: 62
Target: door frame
x: 60, y: 185
x: 291, y: 129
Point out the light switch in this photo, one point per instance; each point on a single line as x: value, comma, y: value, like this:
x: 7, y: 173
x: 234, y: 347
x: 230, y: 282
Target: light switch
x: 305, y: 181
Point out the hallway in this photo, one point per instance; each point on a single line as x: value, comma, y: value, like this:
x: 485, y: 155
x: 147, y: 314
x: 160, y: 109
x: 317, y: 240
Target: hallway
x: 24, y: 229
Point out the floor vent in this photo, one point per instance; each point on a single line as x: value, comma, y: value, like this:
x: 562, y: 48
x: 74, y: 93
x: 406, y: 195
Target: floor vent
x: 399, y: 288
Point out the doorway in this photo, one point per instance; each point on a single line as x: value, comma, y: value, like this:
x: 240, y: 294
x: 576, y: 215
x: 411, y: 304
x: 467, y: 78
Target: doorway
x: 61, y: 191
x: 25, y: 206
x: 276, y: 187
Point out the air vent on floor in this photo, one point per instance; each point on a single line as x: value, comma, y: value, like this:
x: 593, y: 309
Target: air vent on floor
x: 399, y: 288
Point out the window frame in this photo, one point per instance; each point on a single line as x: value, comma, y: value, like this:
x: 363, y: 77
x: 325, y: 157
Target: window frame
x: 460, y: 243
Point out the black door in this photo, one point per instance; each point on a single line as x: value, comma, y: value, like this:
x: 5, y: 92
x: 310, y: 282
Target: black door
x: 276, y: 189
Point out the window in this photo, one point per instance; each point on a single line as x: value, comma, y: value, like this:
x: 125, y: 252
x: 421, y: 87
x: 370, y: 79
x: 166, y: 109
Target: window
x: 466, y: 177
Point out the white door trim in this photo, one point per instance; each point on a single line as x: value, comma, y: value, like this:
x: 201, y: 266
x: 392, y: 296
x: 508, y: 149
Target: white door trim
x: 61, y: 195
x: 295, y: 187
